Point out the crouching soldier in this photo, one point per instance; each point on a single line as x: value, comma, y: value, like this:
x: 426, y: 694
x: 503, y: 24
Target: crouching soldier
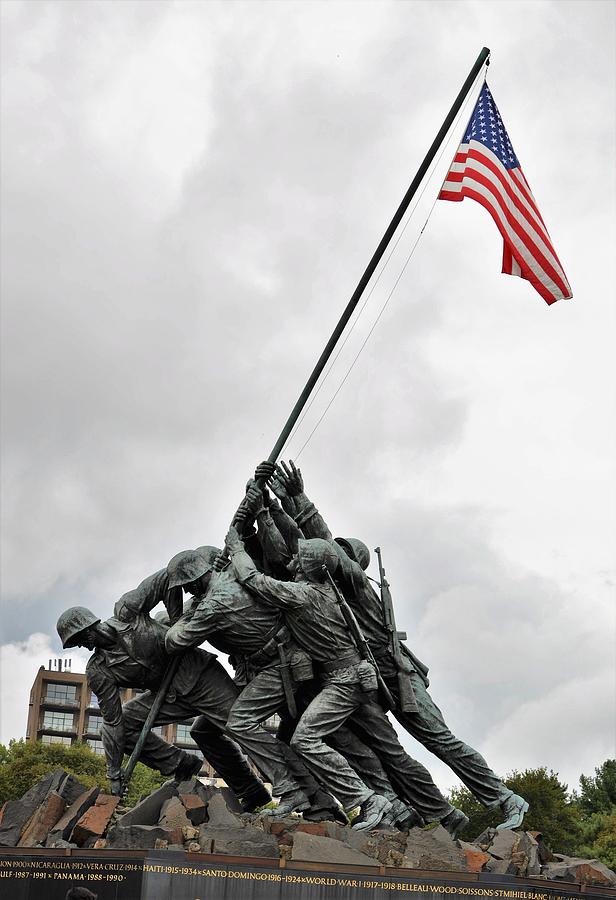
x: 129, y: 651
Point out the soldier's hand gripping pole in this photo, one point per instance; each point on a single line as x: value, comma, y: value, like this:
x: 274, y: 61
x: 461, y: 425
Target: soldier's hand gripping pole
x: 149, y: 722
x: 408, y: 703
x: 363, y: 648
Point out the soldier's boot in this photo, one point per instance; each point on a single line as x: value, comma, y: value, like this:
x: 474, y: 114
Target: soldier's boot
x: 371, y: 812
x: 295, y: 801
x: 190, y: 765
x: 330, y: 814
x: 323, y: 808
x: 514, y: 808
x: 404, y: 817
x: 256, y: 797
x: 454, y: 822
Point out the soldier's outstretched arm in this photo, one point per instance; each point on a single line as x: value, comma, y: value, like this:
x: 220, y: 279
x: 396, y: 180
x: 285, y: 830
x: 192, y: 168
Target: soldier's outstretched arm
x: 307, y: 516
x: 193, y: 628
x: 149, y: 593
x: 280, y: 594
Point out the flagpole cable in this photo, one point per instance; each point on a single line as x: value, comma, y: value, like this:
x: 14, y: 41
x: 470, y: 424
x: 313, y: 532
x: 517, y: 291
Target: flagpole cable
x: 382, y: 269
x: 385, y: 304
x: 375, y: 259
x: 366, y: 339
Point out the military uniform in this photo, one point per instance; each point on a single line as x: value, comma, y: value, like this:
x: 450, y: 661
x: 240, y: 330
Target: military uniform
x: 317, y: 625
x: 138, y: 659
x: 427, y: 725
x: 232, y: 621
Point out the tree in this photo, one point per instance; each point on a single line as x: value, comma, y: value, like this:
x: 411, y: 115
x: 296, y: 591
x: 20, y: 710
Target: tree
x: 596, y: 801
x: 551, y: 810
x: 598, y: 794
x: 23, y: 763
x: 598, y: 838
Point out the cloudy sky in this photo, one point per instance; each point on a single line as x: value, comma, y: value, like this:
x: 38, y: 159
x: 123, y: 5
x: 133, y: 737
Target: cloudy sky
x: 190, y: 193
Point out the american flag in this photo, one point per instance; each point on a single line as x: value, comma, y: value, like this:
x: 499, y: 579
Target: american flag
x: 486, y: 169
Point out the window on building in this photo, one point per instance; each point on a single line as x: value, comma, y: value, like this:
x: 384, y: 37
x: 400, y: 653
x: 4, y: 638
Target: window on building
x: 183, y: 735
x: 94, y: 724
x: 97, y: 746
x: 55, y: 739
x: 93, y: 701
x: 58, y: 721
x: 61, y: 693
x: 158, y: 730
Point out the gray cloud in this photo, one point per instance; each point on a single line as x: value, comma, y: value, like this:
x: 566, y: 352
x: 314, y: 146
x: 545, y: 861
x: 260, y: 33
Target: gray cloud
x: 190, y: 193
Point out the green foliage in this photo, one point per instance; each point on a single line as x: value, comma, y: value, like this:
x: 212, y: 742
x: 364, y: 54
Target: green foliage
x: 551, y: 810
x: 599, y: 838
x: 143, y: 781
x: 582, y: 823
x: 598, y: 794
x: 597, y: 803
x: 23, y: 763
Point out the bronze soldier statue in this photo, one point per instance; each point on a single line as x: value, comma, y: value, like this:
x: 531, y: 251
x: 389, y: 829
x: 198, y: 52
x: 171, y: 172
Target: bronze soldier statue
x: 347, y: 682
x: 259, y: 645
x: 272, y: 669
x: 129, y: 651
x: 426, y: 723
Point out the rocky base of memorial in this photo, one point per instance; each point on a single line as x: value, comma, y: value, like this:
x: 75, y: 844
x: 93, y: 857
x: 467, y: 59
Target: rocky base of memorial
x: 60, y: 812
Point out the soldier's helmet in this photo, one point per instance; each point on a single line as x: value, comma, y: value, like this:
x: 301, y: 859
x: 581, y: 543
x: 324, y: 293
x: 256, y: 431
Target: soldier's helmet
x: 187, y: 566
x: 72, y: 622
x: 355, y: 549
x: 313, y: 554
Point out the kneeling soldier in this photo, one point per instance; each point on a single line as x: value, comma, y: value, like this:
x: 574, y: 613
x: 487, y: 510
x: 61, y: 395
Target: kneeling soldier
x: 129, y: 651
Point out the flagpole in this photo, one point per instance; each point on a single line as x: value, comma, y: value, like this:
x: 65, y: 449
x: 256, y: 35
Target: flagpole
x: 376, y: 258
x: 316, y: 372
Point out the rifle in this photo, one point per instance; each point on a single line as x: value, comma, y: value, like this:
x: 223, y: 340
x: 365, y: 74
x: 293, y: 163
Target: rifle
x: 168, y: 677
x: 408, y: 703
x: 361, y: 643
x: 287, y: 680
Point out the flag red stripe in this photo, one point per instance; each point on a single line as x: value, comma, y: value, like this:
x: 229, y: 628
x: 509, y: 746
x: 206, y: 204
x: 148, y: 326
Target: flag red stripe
x: 548, y: 295
x: 520, y: 179
x: 515, y: 225
x: 523, y: 185
x: 505, y: 181
x: 504, y: 178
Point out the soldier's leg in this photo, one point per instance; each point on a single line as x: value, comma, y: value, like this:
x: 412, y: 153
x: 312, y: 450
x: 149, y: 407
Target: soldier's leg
x: 410, y: 779
x: 362, y: 760
x: 157, y: 753
x: 322, y: 805
x: 259, y: 700
x: 429, y: 728
x: 360, y: 757
x: 327, y: 712
x: 213, y: 697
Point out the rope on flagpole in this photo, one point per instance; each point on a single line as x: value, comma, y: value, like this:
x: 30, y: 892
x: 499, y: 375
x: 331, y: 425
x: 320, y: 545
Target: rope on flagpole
x: 388, y: 298
x: 383, y: 267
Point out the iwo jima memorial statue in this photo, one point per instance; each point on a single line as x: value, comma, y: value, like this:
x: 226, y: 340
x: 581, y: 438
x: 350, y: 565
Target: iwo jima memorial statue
x: 308, y: 635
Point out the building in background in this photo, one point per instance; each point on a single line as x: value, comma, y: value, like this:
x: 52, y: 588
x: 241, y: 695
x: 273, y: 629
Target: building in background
x: 63, y: 710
